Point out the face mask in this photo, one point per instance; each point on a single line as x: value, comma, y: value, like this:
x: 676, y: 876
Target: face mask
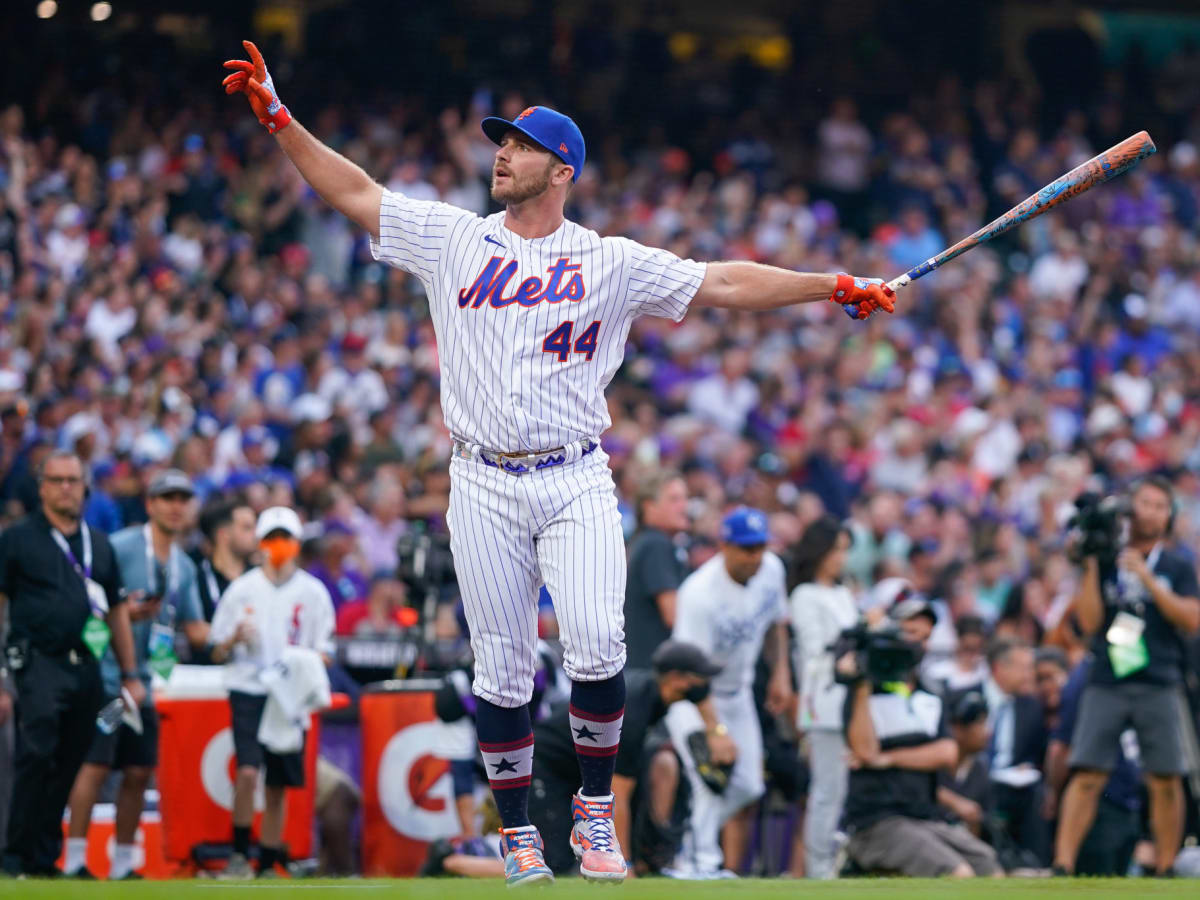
x: 697, y: 692
x: 280, y: 551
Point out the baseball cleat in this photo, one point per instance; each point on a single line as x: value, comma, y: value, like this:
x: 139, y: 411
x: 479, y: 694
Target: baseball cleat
x: 594, y: 839
x: 523, y: 859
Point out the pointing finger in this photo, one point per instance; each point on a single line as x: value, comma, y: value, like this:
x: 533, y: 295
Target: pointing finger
x: 260, y: 67
x: 240, y: 64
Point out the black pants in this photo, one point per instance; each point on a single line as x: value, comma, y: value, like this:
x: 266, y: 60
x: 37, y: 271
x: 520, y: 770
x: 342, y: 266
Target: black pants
x: 1109, y: 845
x: 57, y: 702
x: 1020, y: 811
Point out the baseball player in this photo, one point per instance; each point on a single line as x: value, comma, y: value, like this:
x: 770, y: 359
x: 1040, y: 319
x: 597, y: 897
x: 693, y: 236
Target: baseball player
x: 726, y: 608
x: 531, y: 313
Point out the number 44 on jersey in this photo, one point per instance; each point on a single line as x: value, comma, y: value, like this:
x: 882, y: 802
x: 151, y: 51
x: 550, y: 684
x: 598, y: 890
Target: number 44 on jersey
x: 559, y: 341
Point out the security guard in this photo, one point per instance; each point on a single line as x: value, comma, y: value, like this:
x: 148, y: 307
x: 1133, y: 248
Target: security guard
x: 62, y: 581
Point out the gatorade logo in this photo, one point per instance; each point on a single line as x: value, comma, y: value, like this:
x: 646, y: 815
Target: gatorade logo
x: 415, y: 791
x: 217, y: 767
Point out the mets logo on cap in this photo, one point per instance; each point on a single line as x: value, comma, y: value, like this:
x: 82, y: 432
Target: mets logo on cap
x: 547, y: 128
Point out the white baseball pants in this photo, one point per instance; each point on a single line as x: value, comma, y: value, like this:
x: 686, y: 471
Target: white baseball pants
x: 511, y: 534
x: 701, y: 849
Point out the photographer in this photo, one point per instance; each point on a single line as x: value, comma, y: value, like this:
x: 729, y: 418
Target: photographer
x: 1138, y: 602
x: 899, y: 743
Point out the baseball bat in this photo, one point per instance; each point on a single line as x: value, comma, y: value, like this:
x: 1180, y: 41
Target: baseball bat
x: 1097, y: 170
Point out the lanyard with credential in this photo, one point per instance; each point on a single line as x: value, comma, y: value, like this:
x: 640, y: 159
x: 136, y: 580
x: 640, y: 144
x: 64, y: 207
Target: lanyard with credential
x: 172, y: 585
x: 210, y: 578
x: 84, y: 570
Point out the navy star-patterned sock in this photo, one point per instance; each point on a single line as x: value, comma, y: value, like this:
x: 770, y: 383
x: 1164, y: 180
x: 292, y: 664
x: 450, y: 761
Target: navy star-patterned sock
x: 506, y: 741
x: 597, y: 712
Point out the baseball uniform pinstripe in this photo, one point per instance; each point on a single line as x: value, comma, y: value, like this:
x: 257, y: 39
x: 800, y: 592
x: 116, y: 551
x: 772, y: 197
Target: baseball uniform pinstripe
x: 530, y: 332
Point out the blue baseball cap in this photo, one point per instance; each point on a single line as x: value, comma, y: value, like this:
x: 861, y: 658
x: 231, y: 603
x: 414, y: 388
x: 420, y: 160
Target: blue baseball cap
x: 546, y: 127
x: 745, y: 527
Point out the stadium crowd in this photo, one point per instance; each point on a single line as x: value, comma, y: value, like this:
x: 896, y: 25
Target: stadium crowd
x: 172, y: 295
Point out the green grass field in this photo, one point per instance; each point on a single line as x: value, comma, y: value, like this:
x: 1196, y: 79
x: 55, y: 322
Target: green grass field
x: 656, y: 889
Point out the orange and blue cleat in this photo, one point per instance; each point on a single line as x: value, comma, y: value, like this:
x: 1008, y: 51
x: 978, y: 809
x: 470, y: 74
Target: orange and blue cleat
x: 594, y: 839
x: 523, y: 859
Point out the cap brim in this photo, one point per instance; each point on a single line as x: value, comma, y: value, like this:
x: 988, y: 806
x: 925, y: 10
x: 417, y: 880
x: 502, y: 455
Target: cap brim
x: 748, y: 541
x: 174, y: 489
x: 495, y: 128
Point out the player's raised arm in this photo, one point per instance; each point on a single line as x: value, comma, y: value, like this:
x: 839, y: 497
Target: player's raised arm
x: 341, y: 184
x: 747, y: 285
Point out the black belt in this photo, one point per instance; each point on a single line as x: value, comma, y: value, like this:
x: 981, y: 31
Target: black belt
x: 74, y: 656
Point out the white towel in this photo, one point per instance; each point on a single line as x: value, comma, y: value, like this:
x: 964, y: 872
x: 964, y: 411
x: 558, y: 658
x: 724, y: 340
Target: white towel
x: 296, y: 686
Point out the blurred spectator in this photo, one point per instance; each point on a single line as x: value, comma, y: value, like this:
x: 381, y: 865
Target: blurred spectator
x: 334, y: 565
x: 821, y: 609
x: 228, y: 530
x: 657, y: 565
x: 383, y: 613
x: 1018, y: 747
x: 380, y: 529
x: 1051, y: 670
x: 967, y: 670
x: 966, y: 790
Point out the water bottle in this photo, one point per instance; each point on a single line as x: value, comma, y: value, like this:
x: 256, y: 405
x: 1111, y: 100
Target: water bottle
x: 109, y: 716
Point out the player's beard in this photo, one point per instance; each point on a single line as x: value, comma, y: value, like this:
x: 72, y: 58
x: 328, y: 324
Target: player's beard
x: 518, y: 190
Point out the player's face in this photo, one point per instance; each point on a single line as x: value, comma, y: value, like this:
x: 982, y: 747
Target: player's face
x: 62, y: 487
x: 521, y: 170
x: 743, y: 562
x: 170, y: 512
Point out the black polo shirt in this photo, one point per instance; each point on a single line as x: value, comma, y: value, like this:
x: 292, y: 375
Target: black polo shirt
x: 656, y: 565
x: 47, y: 600
x: 554, y: 749
x: 1165, y: 644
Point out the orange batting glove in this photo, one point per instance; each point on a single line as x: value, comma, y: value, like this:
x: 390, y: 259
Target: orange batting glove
x: 252, y: 79
x: 860, y: 297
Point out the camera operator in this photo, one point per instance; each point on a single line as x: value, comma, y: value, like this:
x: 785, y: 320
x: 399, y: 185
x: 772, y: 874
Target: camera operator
x: 1138, y: 602
x: 899, y: 742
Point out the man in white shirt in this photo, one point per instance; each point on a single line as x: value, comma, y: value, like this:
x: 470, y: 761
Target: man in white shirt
x: 260, y: 614
x: 726, y: 607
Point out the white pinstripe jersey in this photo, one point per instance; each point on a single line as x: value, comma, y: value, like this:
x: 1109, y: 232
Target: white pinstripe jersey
x: 529, y: 332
